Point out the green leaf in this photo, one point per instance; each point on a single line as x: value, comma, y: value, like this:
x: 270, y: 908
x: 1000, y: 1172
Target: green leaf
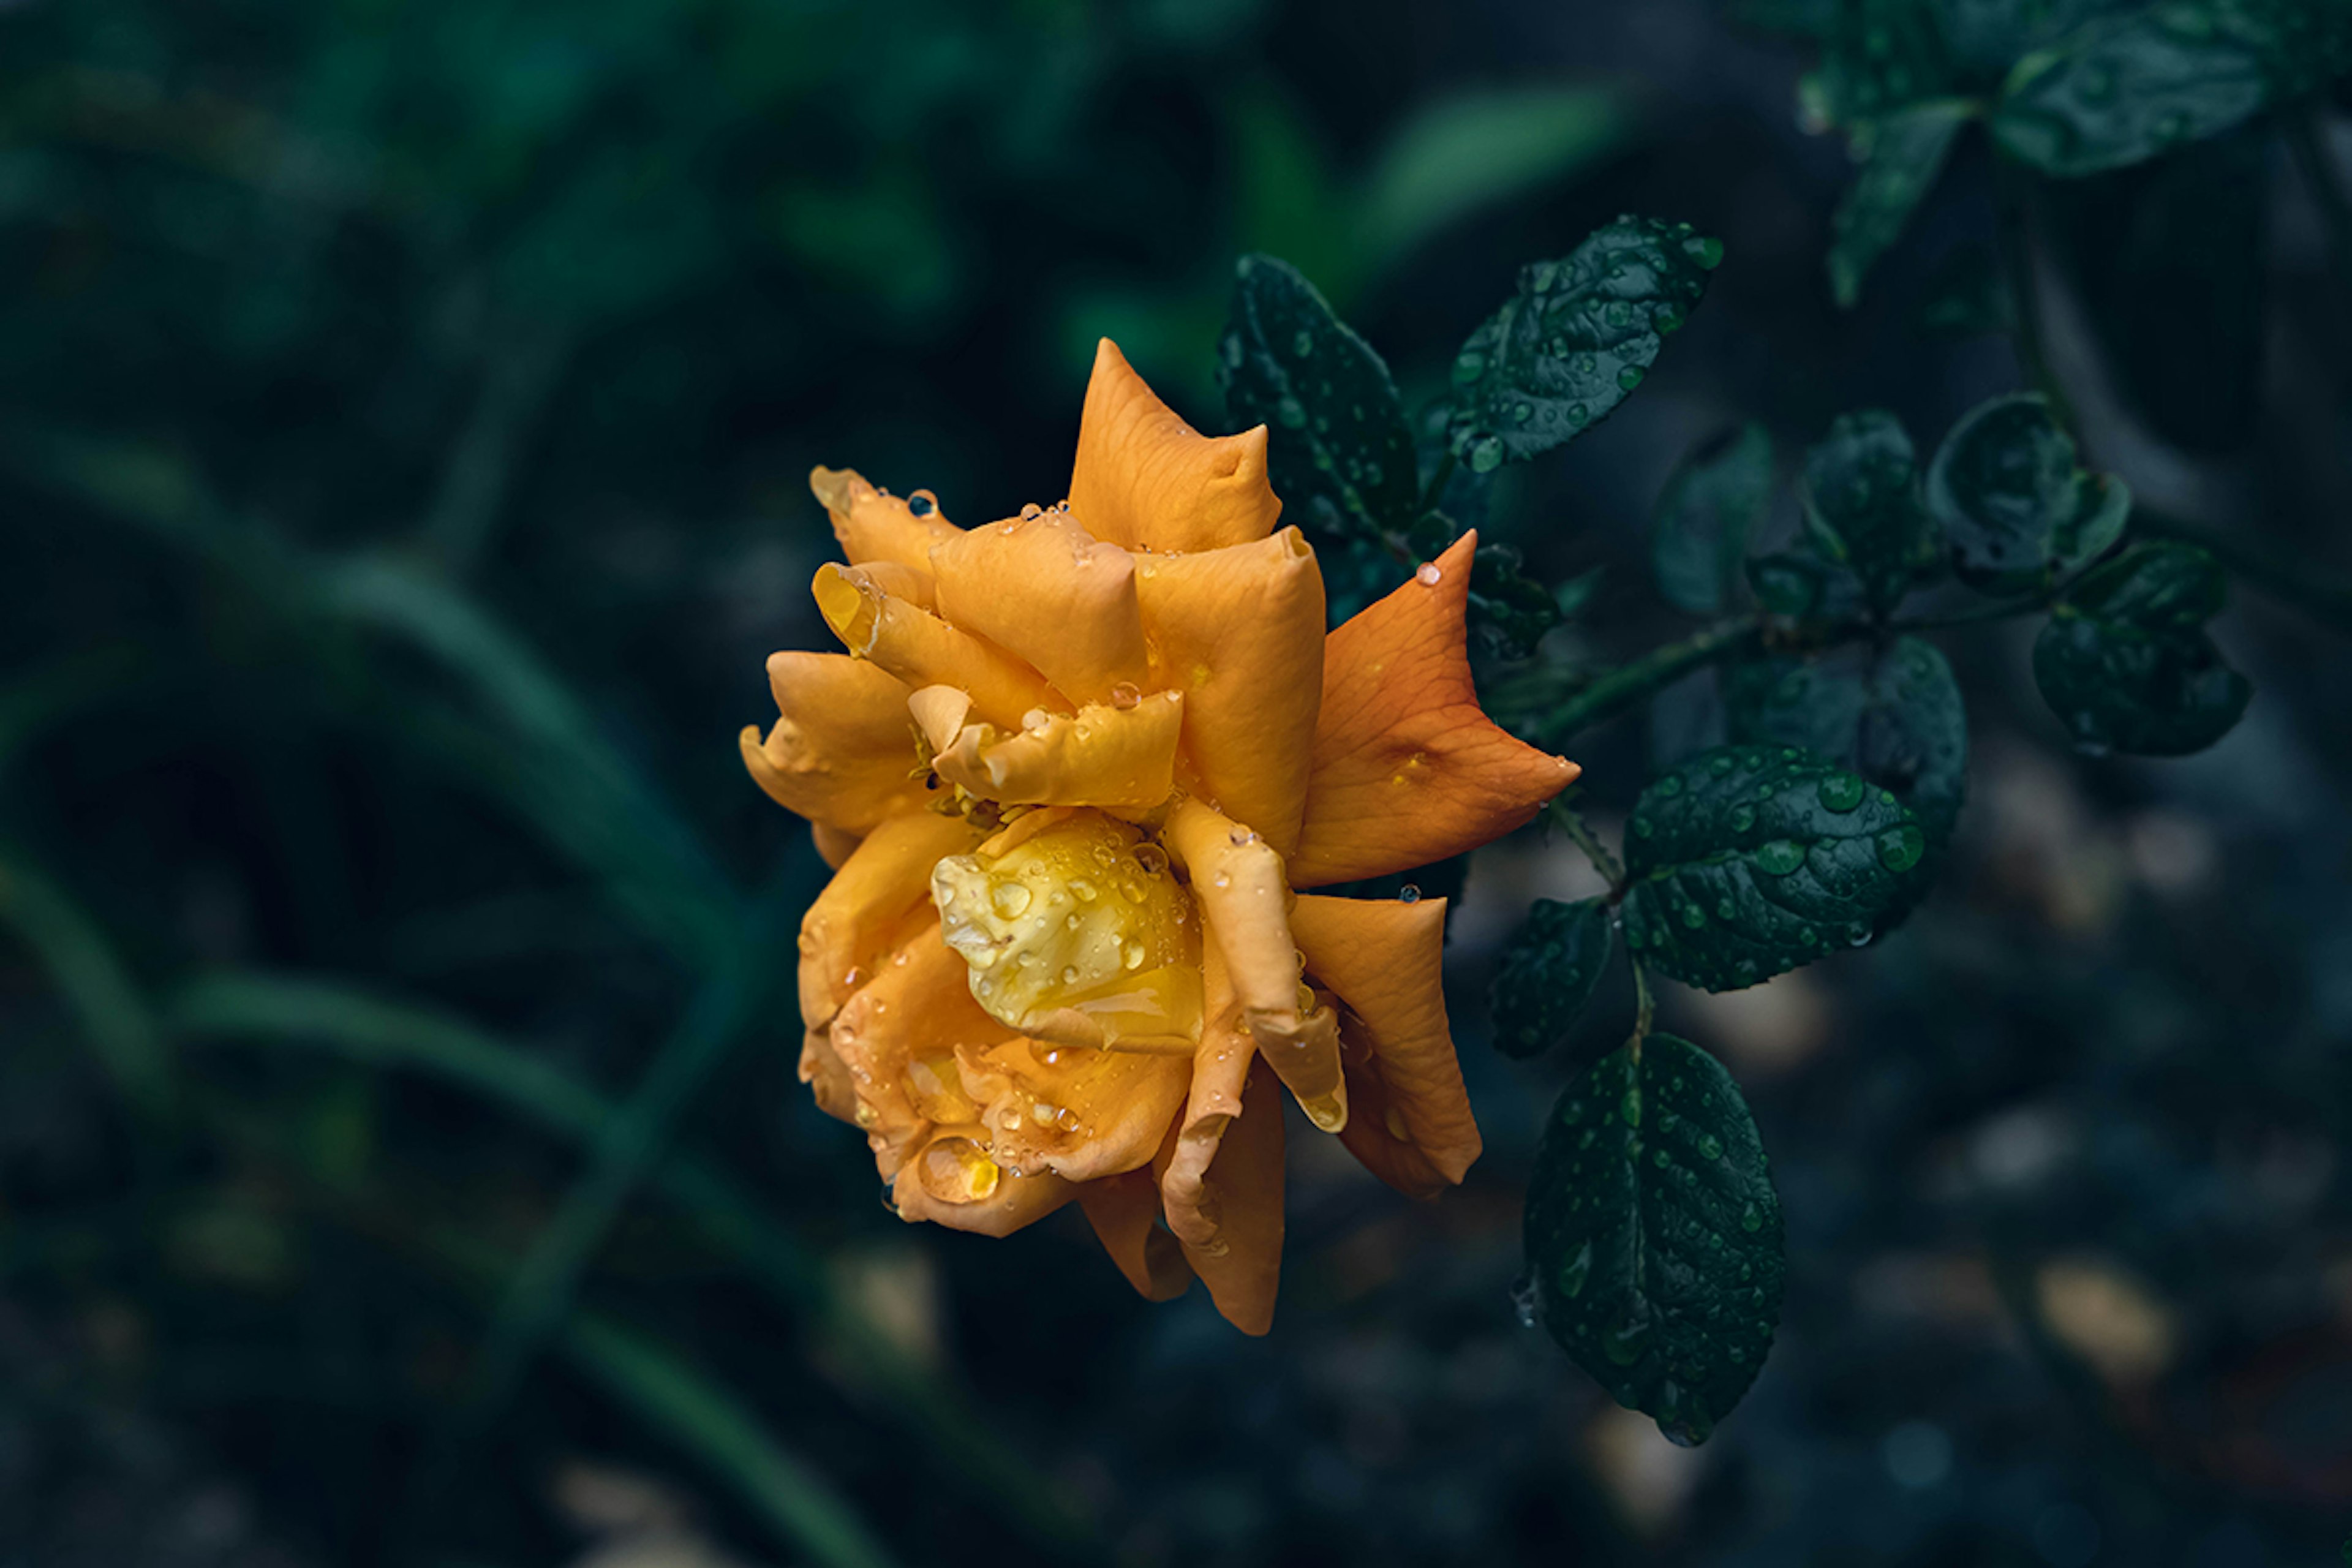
x: 2124, y: 661
x: 1338, y: 450
x: 2018, y: 513
x: 1895, y: 718
x: 1509, y: 610
x: 2129, y: 87
x: 1547, y: 974
x: 1862, y: 507
x: 1749, y: 862
x: 1903, y: 154
x: 1580, y: 334
x: 1653, y: 1234
x: 1466, y: 152
x: 1704, y: 516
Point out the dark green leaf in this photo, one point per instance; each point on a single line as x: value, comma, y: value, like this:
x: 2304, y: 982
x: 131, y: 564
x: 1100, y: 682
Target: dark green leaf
x: 1577, y: 337
x: 1862, y: 507
x: 1791, y: 583
x: 2129, y: 87
x: 2017, y: 511
x: 1704, y: 516
x: 1338, y: 450
x: 1902, y: 156
x: 2166, y: 585
x: 2125, y: 663
x: 1547, y: 974
x: 1653, y: 1234
x: 1895, y: 718
x: 1749, y: 862
x: 1509, y: 610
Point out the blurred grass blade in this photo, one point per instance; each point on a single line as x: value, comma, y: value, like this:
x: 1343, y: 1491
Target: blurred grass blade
x: 627, y: 1146
x: 364, y: 1027
x: 33, y: 701
x: 808, y: 1514
x: 1463, y: 153
x: 570, y: 774
x: 542, y: 750
x: 93, y: 981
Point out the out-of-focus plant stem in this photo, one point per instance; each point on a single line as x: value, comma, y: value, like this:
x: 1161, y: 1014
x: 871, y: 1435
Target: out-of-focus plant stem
x: 1629, y: 684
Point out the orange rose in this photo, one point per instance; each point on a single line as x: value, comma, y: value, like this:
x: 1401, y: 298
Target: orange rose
x: 1069, y: 775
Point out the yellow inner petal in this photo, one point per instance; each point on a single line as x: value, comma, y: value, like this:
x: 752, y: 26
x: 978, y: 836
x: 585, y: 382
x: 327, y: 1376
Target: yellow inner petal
x: 1077, y: 930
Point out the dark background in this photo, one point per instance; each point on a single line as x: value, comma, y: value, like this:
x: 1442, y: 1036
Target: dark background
x: 404, y: 412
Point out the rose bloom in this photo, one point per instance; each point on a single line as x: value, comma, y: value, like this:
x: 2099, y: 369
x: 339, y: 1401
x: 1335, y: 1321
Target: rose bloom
x: 1069, y: 775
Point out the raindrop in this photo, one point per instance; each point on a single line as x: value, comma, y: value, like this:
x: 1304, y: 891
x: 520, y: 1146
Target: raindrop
x: 1779, y: 856
x: 1841, y: 791
x: 1486, y: 454
x: 1428, y: 574
x: 922, y: 503
x: 1408, y: 894
x: 1629, y: 378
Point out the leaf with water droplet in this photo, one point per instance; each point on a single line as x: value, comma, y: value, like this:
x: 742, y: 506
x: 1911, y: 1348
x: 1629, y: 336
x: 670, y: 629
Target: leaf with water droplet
x: 1549, y: 972
x: 1704, y: 518
x: 2140, y: 82
x: 1802, y: 863
x: 1894, y: 717
x: 1339, y: 452
x: 2017, y: 511
x: 1579, y: 333
x: 2125, y: 661
x: 1661, y: 1276
x: 1862, y: 511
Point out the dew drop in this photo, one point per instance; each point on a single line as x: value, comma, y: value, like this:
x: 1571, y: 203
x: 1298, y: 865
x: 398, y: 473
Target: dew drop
x: 1779, y: 857
x: 1486, y: 454
x: 1841, y: 791
x: 1428, y: 574
x: 1008, y: 898
x: 1899, y: 848
x: 922, y: 503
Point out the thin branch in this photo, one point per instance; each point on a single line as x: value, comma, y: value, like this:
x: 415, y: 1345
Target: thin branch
x: 1622, y: 688
x: 2287, y: 579
x: 1579, y: 833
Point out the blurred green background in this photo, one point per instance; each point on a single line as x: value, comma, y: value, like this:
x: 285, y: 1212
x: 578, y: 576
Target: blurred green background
x: 404, y: 412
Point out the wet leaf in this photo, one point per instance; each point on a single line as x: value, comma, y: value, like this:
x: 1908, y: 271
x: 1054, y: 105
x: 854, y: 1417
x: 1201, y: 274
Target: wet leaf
x: 2017, y: 511
x: 1547, y: 974
x: 1705, y: 515
x: 1902, y: 156
x: 1338, y: 450
x: 1749, y: 862
x: 2123, y: 661
x: 1580, y: 334
x: 2129, y: 87
x: 1653, y: 1234
x: 1895, y: 718
x: 1862, y: 511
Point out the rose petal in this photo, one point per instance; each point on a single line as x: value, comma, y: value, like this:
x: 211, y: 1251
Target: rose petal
x: 1236, y: 879
x: 1012, y: 1203
x: 833, y: 846
x: 1145, y: 479
x: 1384, y: 959
x: 827, y: 1075
x: 1046, y: 591
x: 1239, y: 631
x: 843, y: 753
x: 886, y: 879
x: 1083, y: 1114
x: 872, y: 526
x: 916, y: 1008
x: 1121, y: 758
x: 1124, y: 1212
x: 922, y: 650
x: 1242, y: 1266
x: 1408, y: 769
